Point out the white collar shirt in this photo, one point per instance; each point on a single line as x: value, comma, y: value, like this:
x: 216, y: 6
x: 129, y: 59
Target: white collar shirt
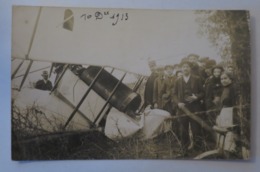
x: 186, y: 78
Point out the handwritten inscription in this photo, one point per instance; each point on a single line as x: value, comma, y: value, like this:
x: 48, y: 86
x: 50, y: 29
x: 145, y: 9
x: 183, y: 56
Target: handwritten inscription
x: 106, y: 15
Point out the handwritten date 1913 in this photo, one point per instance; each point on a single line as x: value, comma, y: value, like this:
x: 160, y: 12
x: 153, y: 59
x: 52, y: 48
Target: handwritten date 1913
x: 106, y: 15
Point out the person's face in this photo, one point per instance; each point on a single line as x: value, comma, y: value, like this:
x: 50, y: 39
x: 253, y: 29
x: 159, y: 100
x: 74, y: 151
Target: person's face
x: 225, y: 80
x: 192, y: 59
x: 160, y: 72
x: 217, y: 73
x: 153, y: 68
x: 169, y: 71
x: 45, y: 77
x: 185, y: 69
x: 179, y: 75
x: 208, y: 72
x: 202, y: 64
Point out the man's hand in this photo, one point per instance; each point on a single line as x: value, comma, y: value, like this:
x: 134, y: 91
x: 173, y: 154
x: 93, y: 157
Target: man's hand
x: 165, y: 96
x: 191, y: 99
x: 181, y: 105
x: 216, y: 100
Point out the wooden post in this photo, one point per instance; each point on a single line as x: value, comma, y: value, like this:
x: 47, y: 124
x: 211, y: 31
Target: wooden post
x: 198, y: 120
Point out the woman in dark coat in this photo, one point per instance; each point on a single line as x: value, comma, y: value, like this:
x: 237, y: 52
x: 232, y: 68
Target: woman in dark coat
x: 213, y: 93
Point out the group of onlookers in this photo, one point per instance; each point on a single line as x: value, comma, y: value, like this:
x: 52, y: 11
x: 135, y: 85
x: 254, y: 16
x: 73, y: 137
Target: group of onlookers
x: 196, y: 84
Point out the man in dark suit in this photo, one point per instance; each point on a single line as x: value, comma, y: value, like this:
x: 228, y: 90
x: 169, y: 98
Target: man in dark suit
x: 168, y: 88
x: 44, y: 84
x: 188, y: 92
x: 158, y: 89
x: 149, y: 86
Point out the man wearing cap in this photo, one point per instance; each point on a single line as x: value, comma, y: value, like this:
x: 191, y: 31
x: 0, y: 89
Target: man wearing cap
x: 202, y: 67
x: 169, y: 82
x: 44, y: 84
x: 187, y: 93
x: 208, y: 66
x: 193, y: 59
x: 149, y: 86
x: 158, y: 89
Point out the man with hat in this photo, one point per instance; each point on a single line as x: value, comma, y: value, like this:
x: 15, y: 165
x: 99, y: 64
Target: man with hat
x: 193, y: 59
x: 169, y: 82
x: 44, y: 84
x: 158, y: 89
x: 202, y: 68
x: 202, y: 61
x: 149, y: 86
x: 187, y: 93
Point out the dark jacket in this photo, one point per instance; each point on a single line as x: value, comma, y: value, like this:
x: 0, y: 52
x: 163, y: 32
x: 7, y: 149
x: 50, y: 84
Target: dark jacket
x: 148, y: 91
x: 213, y: 89
x: 229, y: 95
x: 196, y: 89
x: 158, y: 91
x: 169, y: 83
x: 41, y: 85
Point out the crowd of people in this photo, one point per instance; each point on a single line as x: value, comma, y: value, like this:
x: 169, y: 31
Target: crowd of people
x: 197, y: 84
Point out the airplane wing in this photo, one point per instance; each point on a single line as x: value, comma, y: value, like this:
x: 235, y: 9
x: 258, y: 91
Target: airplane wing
x: 95, y: 37
x: 125, y: 39
x: 38, y: 34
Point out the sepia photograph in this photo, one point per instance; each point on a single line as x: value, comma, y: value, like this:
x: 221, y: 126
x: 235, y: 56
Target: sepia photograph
x: 104, y: 83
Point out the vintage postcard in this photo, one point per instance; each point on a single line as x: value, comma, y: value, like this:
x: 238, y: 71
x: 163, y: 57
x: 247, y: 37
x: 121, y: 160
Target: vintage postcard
x: 93, y: 83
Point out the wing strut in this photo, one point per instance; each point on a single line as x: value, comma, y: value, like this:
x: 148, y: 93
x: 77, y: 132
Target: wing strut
x: 52, y: 65
x: 34, y: 32
x: 26, y: 74
x: 109, y: 106
x: 17, y: 69
x: 138, y: 83
x: 60, y: 77
x: 33, y: 71
x: 107, y: 101
x: 83, y: 98
x: 30, y: 47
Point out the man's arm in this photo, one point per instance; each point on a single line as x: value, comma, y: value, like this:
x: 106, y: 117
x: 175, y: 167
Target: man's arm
x: 175, y: 98
x: 175, y: 91
x: 200, y: 94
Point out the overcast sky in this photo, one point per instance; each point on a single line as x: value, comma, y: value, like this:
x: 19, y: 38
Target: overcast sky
x: 165, y: 36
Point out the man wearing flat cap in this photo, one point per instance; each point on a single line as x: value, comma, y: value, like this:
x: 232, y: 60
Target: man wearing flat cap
x: 169, y: 82
x: 44, y: 84
x: 149, y: 86
x: 193, y: 59
x: 187, y: 93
